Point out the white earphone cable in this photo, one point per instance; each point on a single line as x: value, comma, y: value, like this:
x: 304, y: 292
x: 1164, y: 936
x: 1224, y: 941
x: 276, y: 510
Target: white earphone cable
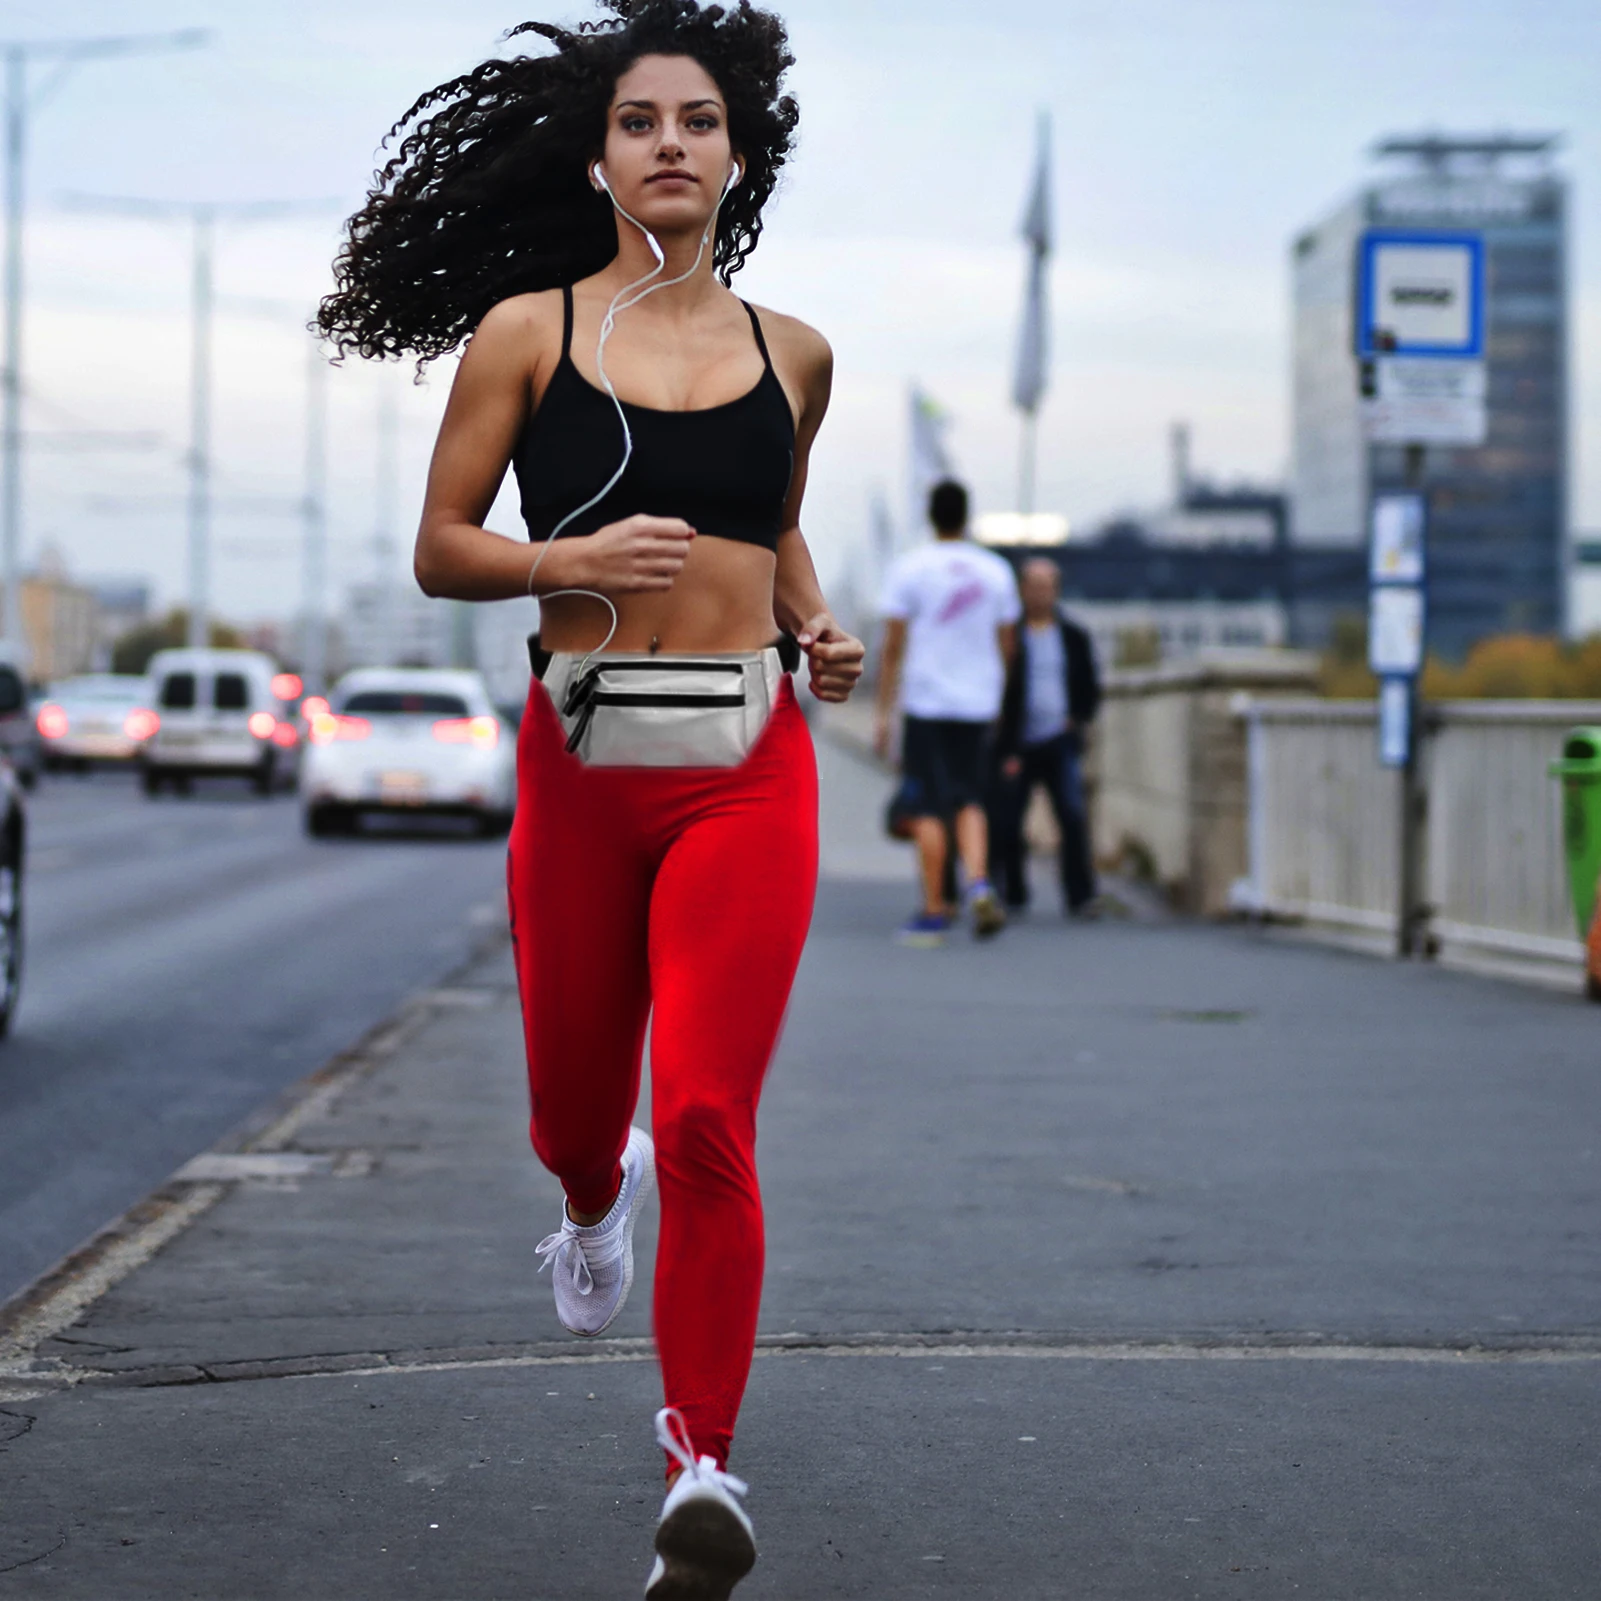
x: 620, y: 304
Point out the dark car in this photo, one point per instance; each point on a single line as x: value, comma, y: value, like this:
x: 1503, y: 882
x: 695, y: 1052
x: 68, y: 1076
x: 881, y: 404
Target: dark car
x: 13, y: 844
x: 19, y: 739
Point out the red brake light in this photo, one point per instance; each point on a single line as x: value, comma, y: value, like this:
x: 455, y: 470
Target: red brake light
x: 483, y: 732
x: 285, y: 737
x: 313, y: 707
x: 141, y: 723
x: 286, y: 686
x: 326, y: 728
x: 52, y: 722
x: 263, y: 725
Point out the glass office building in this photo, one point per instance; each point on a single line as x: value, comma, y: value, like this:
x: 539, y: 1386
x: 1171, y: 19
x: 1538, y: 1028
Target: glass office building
x: 1499, y: 512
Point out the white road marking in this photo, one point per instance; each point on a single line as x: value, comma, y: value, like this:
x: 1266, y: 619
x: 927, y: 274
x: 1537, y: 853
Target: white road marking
x: 105, y: 1268
x: 469, y: 998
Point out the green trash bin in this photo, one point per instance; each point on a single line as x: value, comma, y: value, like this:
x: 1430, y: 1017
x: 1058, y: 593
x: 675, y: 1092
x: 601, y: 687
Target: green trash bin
x: 1579, y: 769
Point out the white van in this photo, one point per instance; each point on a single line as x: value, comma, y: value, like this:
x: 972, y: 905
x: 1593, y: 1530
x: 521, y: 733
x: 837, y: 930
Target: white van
x: 219, y: 716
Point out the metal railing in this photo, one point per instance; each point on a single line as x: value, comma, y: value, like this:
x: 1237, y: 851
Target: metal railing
x: 1324, y: 821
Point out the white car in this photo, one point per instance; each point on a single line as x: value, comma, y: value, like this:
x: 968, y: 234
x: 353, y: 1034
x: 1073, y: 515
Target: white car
x: 221, y: 712
x: 408, y: 739
x: 106, y: 717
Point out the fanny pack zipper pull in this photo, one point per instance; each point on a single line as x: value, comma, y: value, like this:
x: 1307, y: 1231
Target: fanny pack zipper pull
x: 581, y: 699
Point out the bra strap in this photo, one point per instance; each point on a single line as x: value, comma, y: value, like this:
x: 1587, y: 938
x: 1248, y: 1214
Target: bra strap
x: 756, y: 328
x: 567, y: 322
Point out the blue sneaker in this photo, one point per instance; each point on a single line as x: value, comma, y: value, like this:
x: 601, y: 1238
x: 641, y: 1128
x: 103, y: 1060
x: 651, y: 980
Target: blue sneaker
x: 926, y: 930
x: 985, y: 909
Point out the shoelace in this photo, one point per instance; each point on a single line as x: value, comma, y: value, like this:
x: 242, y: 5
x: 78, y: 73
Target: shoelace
x: 672, y: 1434
x: 569, y: 1248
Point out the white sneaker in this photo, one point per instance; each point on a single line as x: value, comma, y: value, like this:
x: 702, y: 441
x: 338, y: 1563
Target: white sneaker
x: 594, y: 1265
x: 704, y: 1542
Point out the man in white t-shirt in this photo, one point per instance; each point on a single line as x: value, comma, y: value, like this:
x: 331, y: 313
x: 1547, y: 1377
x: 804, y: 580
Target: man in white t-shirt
x: 951, y: 611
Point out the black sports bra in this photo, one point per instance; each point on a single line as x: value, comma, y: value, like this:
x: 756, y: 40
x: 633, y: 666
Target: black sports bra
x: 724, y: 469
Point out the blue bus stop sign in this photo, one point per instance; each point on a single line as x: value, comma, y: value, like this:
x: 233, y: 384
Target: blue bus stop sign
x: 1420, y: 294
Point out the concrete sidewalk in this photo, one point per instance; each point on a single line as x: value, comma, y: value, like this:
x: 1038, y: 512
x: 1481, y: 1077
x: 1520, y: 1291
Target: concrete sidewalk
x: 1104, y: 1261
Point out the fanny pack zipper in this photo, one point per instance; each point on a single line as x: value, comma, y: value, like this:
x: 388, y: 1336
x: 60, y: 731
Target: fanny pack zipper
x: 622, y: 697
x: 585, y: 693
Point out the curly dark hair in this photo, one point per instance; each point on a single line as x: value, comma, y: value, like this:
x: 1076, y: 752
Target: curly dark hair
x: 488, y: 193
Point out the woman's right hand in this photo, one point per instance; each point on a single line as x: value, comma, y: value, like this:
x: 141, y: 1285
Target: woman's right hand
x: 637, y: 555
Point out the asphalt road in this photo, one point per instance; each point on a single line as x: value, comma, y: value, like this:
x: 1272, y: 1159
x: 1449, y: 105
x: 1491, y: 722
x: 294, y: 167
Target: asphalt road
x: 185, y: 961
x: 1126, y: 1261
x: 1136, y: 1260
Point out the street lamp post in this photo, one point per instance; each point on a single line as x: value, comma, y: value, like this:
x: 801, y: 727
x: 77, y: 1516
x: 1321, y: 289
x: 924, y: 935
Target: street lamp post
x: 11, y: 507
x: 199, y: 509
x: 19, y: 55
x: 314, y: 511
x: 386, y: 488
x: 203, y: 217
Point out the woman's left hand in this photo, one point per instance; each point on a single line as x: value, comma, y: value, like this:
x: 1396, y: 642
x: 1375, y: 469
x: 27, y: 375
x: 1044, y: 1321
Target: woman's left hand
x: 835, y: 657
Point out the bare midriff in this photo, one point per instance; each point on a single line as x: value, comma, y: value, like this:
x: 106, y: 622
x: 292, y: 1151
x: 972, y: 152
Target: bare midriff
x: 721, y: 600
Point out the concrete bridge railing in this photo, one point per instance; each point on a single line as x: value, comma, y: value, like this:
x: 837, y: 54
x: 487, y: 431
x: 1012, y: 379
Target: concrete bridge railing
x: 1323, y: 821
x: 1227, y: 784
x: 1167, y: 770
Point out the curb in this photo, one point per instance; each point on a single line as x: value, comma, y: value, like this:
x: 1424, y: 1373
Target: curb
x: 60, y: 1296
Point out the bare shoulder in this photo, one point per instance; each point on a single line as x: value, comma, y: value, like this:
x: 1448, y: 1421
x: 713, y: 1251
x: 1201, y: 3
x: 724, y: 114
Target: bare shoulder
x: 804, y: 364
x: 797, y: 347
x: 520, y: 328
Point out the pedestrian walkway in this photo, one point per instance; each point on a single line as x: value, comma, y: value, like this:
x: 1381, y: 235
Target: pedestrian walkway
x: 1123, y: 1260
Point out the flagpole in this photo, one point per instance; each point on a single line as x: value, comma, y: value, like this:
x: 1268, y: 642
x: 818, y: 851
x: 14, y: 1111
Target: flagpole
x: 1026, y: 467
x: 1031, y: 373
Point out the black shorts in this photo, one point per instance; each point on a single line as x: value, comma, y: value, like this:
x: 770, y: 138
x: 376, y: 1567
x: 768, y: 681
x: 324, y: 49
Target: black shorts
x: 945, y: 763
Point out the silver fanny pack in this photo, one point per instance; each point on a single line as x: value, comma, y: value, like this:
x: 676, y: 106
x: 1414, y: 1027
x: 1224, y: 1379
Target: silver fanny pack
x: 664, y: 711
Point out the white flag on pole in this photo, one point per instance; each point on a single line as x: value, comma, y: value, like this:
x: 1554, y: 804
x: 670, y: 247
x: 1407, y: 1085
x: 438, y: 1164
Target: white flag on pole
x: 1033, y: 347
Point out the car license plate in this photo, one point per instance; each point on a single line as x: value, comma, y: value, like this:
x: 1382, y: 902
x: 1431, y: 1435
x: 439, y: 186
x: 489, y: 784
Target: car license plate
x: 402, y: 788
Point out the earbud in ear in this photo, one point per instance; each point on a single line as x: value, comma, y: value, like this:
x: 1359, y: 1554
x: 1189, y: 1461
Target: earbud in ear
x: 597, y: 176
x: 735, y: 174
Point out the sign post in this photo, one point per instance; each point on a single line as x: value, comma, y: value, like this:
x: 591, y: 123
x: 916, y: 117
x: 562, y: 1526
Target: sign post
x: 1420, y: 354
x: 1397, y: 639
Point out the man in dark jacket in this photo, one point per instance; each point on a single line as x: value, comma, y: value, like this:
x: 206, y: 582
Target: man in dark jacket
x: 1053, y: 692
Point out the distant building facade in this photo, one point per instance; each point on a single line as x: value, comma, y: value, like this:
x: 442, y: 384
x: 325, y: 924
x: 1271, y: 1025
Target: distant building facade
x: 58, y: 621
x: 1499, y: 549
x: 61, y: 625
x: 1584, y: 602
x: 1208, y: 573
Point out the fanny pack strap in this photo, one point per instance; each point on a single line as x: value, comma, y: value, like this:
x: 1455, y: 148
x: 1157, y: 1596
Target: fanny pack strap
x: 789, y: 654
x: 539, y: 659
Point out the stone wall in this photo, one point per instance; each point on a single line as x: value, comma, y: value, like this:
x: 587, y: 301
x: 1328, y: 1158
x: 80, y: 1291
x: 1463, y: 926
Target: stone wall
x: 1167, y: 770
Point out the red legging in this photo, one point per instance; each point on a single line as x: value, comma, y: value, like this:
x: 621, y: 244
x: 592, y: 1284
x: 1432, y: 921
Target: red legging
x: 682, y: 895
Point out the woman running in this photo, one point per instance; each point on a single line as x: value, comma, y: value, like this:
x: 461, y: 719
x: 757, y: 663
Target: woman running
x: 579, y: 214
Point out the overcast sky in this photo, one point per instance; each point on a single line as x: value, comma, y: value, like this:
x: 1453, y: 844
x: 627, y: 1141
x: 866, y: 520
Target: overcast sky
x: 1191, y: 142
